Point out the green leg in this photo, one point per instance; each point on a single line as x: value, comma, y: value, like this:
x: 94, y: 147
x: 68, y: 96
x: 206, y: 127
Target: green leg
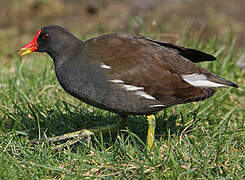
x: 151, y: 131
x: 74, y: 137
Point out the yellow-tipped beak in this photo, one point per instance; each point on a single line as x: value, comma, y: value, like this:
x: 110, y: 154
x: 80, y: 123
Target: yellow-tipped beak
x: 24, y: 51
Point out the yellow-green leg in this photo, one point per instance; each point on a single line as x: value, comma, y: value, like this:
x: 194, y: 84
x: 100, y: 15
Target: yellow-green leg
x: 151, y: 131
x: 74, y: 137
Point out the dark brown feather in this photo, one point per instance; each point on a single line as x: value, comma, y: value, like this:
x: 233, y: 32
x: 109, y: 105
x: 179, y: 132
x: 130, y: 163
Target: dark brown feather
x: 144, y: 63
x: 192, y: 54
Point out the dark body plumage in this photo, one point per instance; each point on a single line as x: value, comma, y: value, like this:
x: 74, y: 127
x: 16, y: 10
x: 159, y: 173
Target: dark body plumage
x: 127, y: 74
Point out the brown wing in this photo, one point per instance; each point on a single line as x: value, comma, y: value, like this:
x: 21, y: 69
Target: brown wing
x: 192, y: 54
x: 144, y: 63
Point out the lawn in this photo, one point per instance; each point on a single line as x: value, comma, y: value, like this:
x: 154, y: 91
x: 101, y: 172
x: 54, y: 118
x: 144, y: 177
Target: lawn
x: 202, y: 140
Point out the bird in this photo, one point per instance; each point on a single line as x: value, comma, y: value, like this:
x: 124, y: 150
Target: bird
x: 125, y: 74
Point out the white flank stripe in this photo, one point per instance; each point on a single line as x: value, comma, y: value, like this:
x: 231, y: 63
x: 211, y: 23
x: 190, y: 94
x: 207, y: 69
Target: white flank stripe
x: 135, y: 88
x: 158, y: 105
x: 105, y: 66
x: 200, y: 80
x: 132, y: 88
x: 143, y: 94
x: 116, y: 81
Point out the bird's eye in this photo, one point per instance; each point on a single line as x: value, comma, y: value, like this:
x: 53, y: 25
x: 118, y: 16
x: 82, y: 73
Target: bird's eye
x: 46, y: 36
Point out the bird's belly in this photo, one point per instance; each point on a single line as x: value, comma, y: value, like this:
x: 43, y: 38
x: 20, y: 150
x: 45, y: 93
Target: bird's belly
x: 114, y: 101
x: 111, y: 99
x: 95, y: 90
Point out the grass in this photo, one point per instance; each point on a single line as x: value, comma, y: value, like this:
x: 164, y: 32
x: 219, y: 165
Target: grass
x: 203, y: 140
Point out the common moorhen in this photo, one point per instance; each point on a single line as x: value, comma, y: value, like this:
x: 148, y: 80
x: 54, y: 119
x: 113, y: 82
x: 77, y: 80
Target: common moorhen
x: 125, y: 74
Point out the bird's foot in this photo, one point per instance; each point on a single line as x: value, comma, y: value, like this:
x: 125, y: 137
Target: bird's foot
x: 71, y: 138
x: 74, y: 137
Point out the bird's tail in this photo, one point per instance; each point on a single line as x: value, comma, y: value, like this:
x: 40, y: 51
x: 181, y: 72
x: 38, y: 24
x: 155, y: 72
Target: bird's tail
x: 207, y: 80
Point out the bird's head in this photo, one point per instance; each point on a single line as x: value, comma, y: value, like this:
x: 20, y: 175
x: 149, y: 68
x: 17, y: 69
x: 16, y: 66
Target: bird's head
x: 51, y: 39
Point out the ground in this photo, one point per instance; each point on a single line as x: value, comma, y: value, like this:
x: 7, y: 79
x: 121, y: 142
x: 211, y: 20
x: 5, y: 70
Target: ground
x: 202, y: 140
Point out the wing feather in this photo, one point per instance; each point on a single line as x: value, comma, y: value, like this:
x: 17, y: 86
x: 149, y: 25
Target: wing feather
x: 155, y: 66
